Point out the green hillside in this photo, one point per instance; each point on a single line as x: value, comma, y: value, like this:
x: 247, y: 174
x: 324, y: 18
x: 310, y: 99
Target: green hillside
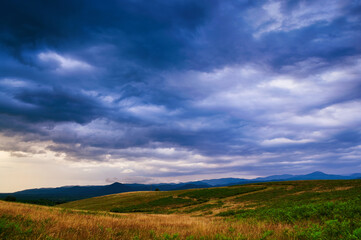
x: 328, y: 209
x: 243, y: 200
x: 159, y: 201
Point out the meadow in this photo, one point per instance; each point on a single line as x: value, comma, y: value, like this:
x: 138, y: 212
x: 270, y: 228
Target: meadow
x: 274, y: 210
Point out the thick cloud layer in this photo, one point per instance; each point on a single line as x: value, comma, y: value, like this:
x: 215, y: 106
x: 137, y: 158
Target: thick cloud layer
x: 183, y: 88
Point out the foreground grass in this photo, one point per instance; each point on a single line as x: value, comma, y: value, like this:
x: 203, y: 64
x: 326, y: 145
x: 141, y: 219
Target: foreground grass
x: 25, y: 221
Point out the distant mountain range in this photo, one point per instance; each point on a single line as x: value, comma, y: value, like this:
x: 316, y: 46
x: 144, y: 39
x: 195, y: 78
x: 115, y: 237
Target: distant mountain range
x: 51, y: 196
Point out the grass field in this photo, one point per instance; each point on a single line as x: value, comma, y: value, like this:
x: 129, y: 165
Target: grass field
x: 276, y: 210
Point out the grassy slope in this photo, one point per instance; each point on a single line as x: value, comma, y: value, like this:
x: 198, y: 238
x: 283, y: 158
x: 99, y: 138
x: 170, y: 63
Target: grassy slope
x: 226, y: 199
x: 276, y: 210
x: 26, y: 221
x: 161, y: 202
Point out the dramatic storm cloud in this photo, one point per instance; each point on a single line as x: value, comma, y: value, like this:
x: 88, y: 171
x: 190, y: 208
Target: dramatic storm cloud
x: 157, y: 91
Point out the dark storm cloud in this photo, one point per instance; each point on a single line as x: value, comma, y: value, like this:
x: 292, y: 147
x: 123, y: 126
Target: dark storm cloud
x: 217, y: 82
x: 56, y: 105
x: 153, y: 33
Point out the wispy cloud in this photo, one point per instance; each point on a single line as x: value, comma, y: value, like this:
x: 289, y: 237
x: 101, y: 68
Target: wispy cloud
x: 63, y: 63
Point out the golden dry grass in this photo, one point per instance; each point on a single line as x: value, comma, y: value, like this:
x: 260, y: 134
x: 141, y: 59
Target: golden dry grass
x: 56, y: 223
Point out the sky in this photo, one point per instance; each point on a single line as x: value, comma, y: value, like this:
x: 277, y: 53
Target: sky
x: 93, y: 92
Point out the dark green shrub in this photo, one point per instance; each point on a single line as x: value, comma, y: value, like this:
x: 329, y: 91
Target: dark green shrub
x: 10, y: 198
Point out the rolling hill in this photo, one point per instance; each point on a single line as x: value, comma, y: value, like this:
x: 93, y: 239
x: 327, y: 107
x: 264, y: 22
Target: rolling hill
x: 224, y: 200
x: 52, y: 196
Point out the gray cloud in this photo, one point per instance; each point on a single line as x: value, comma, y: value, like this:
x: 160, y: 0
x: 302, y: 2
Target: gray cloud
x: 192, y: 88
